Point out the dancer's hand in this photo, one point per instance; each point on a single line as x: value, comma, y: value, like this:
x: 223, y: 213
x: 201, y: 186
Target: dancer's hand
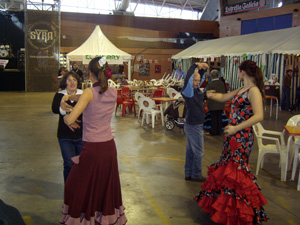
x: 230, y: 130
x: 210, y: 93
x: 74, y: 126
x: 64, y: 105
x: 74, y: 98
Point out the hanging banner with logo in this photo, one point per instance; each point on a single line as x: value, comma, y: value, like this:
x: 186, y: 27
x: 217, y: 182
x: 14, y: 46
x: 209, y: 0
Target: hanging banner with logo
x: 235, y: 6
x: 41, y: 50
x: 111, y: 59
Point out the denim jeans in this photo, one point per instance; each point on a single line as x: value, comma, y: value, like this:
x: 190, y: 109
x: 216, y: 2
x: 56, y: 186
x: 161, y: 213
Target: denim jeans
x: 69, y: 148
x: 194, y: 150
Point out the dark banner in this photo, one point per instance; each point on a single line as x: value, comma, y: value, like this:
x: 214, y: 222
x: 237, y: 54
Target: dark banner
x: 235, y: 6
x: 41, y: 50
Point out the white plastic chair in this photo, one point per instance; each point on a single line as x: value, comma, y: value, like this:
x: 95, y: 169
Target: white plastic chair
x: 278, y: 148
x: 296, y: 163
x: 298, y: 186
x: 173, y: 93
x: 149, y: 108
x: 111, y: 83
x: 293, y: 121
x: 137, y: 97
x: 167, y: 78
x: 158, y: 82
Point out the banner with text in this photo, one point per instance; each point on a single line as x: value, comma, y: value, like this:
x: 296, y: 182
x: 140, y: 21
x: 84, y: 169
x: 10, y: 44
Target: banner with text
x: 41, y: 50
x: 231, y: 7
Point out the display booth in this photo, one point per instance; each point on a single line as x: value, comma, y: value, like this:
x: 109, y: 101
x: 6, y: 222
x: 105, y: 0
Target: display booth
x: 98, y: 45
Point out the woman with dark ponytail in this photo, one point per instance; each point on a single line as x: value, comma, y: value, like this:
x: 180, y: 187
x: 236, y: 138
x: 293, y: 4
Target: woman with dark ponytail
x: 230, y: 193
x: 93, y: 191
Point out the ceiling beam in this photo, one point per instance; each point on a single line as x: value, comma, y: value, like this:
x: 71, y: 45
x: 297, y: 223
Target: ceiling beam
x: 136, y: 5
x: 162, y: 5
x: 185, y: 4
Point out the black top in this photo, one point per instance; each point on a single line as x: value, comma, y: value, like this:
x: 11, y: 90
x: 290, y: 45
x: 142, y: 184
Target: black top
x: 63, y: 131
x: 219, y: 87
x: 79, y: 72
x: 194, y: 103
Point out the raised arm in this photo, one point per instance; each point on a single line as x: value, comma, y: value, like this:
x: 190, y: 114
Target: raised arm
x: 83, y: 101
x: 187, y: 89
x: 220, y: 97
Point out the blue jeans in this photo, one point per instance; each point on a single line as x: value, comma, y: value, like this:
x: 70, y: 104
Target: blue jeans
x: 194, y: 150
x: 285, y: 103
x: 69, y: 148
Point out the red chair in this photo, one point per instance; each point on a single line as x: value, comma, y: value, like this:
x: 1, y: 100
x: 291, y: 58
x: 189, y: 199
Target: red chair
x: 159, y: 92
x: 126, y: 91
x: 126, y: 101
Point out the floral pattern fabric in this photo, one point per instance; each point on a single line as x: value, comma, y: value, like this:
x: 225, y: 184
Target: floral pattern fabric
x: 230, y: 193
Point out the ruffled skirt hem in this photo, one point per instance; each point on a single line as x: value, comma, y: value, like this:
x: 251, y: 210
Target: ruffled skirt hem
x: 232, y: 196
x: 118, y: 218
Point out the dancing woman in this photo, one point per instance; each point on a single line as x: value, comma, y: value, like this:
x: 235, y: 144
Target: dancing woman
x: 92, y: 190
x: 230, y: 193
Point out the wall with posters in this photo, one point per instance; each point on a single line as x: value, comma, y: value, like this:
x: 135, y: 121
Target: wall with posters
x: 147, y: 67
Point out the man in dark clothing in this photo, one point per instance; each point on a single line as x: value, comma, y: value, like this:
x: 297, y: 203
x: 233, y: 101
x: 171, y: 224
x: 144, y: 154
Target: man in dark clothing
x: 297, y: 102
x: 286, y: 86
x: 216, y: 108
x: 193, y: 126
x: 78, y: 71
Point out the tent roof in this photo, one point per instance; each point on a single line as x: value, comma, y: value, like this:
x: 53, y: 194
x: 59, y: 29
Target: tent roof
x: 98, y: 45
x: 291, y: 45
x: 285, y: 40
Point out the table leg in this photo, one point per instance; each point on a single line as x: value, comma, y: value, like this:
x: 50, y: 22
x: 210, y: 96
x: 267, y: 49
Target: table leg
x: 284, y: 170
x: 276, y: 109
x: 271, y: 107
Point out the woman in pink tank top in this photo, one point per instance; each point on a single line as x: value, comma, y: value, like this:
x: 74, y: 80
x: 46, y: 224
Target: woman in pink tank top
x: 93, y: 190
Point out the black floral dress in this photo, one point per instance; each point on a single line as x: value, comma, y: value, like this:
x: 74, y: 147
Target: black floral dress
x: 230, y: 193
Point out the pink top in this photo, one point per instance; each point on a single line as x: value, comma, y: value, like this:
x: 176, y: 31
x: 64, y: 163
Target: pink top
x: 97, y: 115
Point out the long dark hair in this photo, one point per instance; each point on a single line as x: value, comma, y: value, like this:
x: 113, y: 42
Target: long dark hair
x: 252, y: 70
x: 63, y: 82
x: 99, y: 72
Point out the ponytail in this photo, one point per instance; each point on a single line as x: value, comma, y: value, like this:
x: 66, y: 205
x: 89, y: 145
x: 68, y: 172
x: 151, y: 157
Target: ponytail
x: 259, y: 81
x: 99, y: 72
x: 102, y: 81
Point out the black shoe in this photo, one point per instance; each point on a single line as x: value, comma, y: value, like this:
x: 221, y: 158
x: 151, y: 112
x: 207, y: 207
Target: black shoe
x: 187, y: 178
x: 201, y: 179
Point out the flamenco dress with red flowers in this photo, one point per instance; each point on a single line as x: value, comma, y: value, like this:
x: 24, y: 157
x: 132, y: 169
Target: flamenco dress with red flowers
x: 230, y: 193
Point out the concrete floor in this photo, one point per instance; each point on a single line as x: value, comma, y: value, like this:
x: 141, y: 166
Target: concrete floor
x: 151, y: 164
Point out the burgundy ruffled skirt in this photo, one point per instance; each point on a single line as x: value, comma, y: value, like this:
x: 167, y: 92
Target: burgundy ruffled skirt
x: 231, y: 195
x: 92, y: 190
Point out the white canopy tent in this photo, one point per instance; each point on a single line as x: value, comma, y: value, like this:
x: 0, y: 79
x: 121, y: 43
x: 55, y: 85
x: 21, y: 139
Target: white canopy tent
x: 291, y: 45
x: 265, y: 48
x: 98, y: 45
x: 286, y: 40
